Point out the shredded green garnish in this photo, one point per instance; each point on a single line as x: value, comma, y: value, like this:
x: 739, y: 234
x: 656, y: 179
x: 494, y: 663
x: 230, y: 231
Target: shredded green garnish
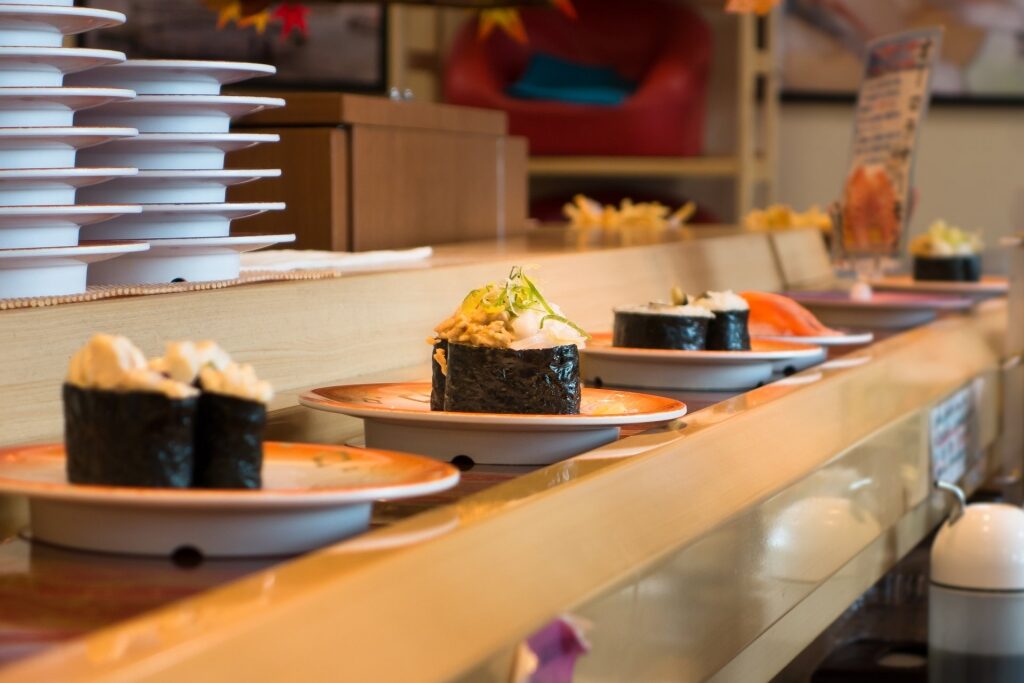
x: 518, y: 294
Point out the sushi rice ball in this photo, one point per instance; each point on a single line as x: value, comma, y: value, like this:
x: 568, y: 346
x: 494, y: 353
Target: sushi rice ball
x: 659, y: 325
x: 729, y: 329
x: 507, y: 349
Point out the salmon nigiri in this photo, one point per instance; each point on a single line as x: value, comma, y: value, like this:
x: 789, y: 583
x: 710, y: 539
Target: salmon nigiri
x: 774, y: 315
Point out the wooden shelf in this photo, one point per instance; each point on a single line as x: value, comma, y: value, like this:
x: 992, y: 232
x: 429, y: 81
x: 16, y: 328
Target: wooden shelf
x: 647, y: 167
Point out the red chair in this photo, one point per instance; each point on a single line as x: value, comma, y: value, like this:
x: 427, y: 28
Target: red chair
x: 665, y: 48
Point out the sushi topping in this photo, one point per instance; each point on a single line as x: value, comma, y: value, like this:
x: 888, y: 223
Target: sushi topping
x: 663, y: 308
x: 237, y: 380
x: 442, y: 360
x: 722, y: 301
x: 943, y: 239
x: 183, y: 360
x: 112, y: 363
x: 512, y: 315
x: 776, y: 315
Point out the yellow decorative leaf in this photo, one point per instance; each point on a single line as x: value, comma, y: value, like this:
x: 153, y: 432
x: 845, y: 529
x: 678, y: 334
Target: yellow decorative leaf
x: 508, y: 20
x: 748, y: 6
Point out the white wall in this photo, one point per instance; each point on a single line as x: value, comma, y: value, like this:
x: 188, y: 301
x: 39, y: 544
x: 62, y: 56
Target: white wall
x: 970, y: 163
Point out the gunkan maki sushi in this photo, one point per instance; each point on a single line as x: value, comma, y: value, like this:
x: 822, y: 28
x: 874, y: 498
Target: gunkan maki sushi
x: 125, y: 424
x: 659, y: 325
x: 946, y: 253
x: 231, y: 413
x: 507, y: 349
x: 729, y: 329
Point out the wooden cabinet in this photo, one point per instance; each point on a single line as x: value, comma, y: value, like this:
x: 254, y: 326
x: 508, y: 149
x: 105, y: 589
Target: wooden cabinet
x: 363, y: 173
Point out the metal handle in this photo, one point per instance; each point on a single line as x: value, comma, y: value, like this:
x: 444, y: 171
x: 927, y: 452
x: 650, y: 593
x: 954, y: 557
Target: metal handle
x: 959, y: 498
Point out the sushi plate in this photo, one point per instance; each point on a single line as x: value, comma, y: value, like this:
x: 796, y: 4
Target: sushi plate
x: 54, y: 186
x: 45, y: 26
x: 27, y: 227
x: 398, y: 416
x: 312, y: 496
x: 173, y: 151
x: 45, y: 67
x: 883, y: 311
x: 846, y: 338
x: 53, y: 147
x: 178, y: 113
x: 173, y: 76
x: 989, y: 286
x: 55, y: 271
x: 52, y: 106
x: 175, y: 187
x: 177, y: 221
x: 198, y: 259
x: 717, y: 371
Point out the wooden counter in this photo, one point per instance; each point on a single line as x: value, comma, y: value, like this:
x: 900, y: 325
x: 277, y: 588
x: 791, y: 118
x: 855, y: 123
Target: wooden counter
x: 671, y: 542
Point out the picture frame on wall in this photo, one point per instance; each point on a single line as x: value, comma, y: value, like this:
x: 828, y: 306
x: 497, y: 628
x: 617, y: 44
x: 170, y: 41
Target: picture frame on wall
x: 982, y: 59
x: 345, y: 49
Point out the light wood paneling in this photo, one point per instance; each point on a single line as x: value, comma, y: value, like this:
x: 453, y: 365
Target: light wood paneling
x: 515, y: 157
x: 314, y: 184
x: 803, y: 259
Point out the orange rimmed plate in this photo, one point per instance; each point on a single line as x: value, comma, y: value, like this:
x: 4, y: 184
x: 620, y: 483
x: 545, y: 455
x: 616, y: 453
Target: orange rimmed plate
x: 988, y: 286
x: 312, y: 495
x: 761, y: 349
x: 410, y: 402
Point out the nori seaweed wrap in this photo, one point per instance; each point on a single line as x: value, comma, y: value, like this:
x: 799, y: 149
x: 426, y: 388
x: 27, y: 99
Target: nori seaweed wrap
x: 437, y: 375
x: 529, y: 381
x: 228, y: 442
x: 128, y: 438
x: 963, y: 268
x: 657, y: 326
x: 729, y: 330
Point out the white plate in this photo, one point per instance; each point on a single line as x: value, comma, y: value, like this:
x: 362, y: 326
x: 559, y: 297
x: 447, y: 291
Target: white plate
x: 173, y: 151
x: 41, y: 26
x: 45, y: 67
x: 20, y: 107
x: 173, y: 76
x: 607, y: 365
x: 174, y: 187
x: 183, y: 260
x: 56, y: 147
x: 884, y: 311
x: 54, y: 271
x: 53, y: 186
x: 30, y: 227
x: 399, y: 414
x: 312, y: 496
x: 178, y: 113
x: 845, y: 339
x: 989, y: 286
x: 177, y: 221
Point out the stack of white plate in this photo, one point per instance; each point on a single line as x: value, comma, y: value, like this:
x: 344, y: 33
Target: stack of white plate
x: 40, y: 254
x: 184, y: 132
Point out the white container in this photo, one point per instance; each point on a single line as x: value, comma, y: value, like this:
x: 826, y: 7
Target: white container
x: 32, y: 25
x: 52, y: 106
x: 976, y: 598
x: 177, y: 221
x: 45, y: 67
x: 54, y: 186
x: 178, y: 113
x: 173, y: 187
x: 172, y: 76
x: 173, y: 151
x: 22, y: 148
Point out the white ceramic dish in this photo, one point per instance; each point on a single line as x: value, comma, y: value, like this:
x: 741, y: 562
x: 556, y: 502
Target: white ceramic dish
x: 174, y: 187
x: 173, y: 151
x: 178, y: 113
x: 177, y: 221
x: 47, y: 3
x: 55, y: 271
x: 884, y: 311
x: 21, y: 107
x: 30, y: 227
x: 988, y: 287
x: 57, y: 147
x: 45, y: 67
x: 199, y: 259
x: 173, y: 76
x: 845, y: 339
x: 399, y: 414
x: 45, y: 26
x: 312, y: 496
x: 718, y: 371
x: 53, y: 186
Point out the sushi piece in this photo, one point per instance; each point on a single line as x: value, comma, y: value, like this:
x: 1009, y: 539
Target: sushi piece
x: 506, y: 349
x: 729, y: 329
x: 946, y: 253
x: 774, y: 315
x: 125, y: 424
x: 230, y: 417
x: 659, y: 325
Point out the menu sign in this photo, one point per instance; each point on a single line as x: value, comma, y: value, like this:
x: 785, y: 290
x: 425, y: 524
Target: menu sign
x: 892, y: 102
x: 953, y: 431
